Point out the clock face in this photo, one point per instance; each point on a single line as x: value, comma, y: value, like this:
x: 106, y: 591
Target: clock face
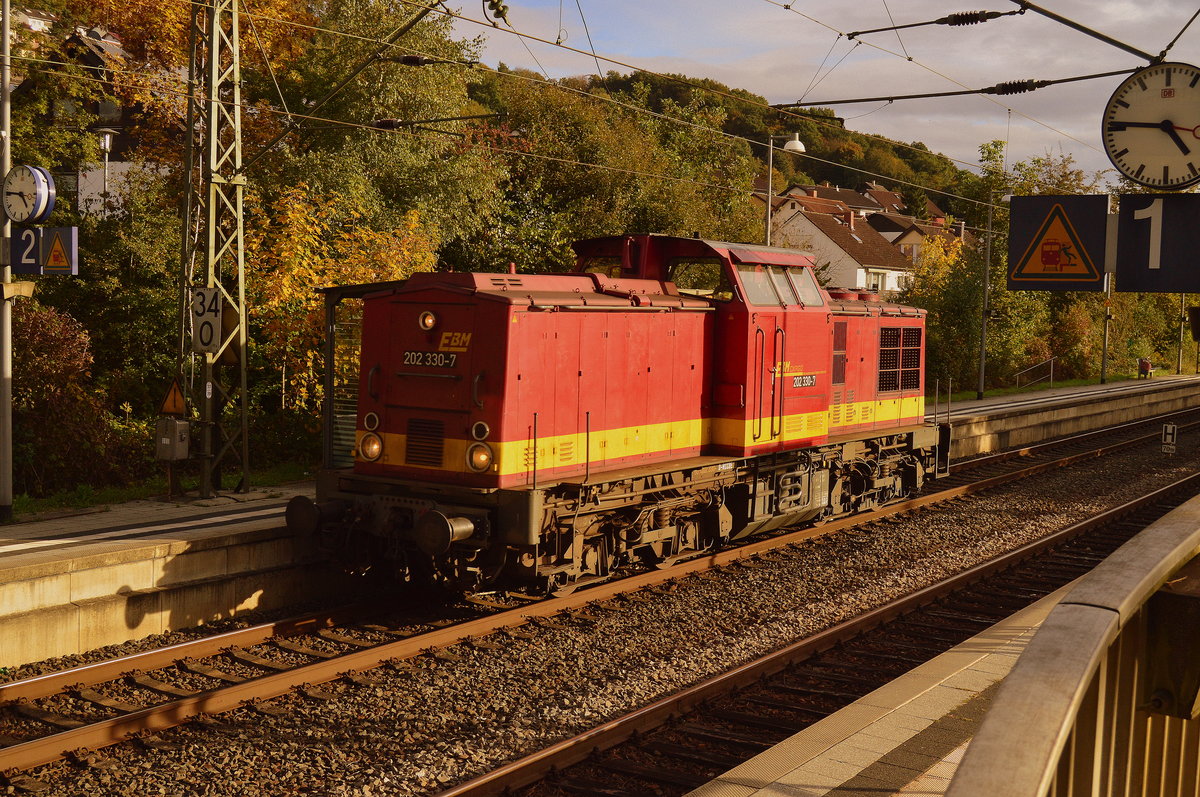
x: 28, y: 194
x: 1151, y: 126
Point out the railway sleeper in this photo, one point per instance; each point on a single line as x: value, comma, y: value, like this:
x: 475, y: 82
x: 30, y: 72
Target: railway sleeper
x: 652, y: 774
x: 691, y: 755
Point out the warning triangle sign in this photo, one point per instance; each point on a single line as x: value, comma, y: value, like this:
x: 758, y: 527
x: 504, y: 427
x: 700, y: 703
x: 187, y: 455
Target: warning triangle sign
x: 174, y: 403
x: 1056, y: 253
x: 56, y: 258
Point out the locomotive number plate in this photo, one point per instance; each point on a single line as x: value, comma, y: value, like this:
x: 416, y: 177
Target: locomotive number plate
x: 430, y: 359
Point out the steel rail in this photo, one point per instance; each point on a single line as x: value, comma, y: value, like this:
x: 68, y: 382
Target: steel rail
x: 59, y: 745
x: 1037, y: 448
x: 531, y: 768
x: 111, y: 669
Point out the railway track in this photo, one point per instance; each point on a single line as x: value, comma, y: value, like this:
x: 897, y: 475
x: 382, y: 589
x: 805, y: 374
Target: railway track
x: 74, y: 714
x: 683, y: 741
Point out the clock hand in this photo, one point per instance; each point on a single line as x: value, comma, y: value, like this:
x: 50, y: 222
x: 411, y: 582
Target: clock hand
x: 1168, y: 127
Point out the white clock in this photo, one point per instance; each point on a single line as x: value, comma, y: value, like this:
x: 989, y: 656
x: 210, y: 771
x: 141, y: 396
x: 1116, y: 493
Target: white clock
x: 1151, y: 127
x: 28, y: 194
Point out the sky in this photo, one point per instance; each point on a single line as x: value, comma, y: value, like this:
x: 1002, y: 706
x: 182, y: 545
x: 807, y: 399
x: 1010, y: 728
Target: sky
x: 789, y: 54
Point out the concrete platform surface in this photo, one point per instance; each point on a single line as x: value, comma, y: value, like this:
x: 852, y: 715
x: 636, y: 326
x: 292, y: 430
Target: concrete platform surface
x: 78, y: 581
x: 905, y: 738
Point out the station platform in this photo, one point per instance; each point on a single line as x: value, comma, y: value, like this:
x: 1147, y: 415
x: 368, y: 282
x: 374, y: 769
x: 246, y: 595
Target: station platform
x: 76, y: 581
x: 996, y: 423
x: 905, y: 738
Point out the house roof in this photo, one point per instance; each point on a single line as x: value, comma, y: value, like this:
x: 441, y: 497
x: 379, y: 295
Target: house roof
x: 890, y: 201
x: 853, y: 199
x: 863, y: 242
x: 817, y: 204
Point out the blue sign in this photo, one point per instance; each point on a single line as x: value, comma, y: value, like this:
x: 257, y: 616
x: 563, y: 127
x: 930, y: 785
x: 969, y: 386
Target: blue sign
x: 1057, y: 243
x: 44, y: 250
x: 1158, y: 243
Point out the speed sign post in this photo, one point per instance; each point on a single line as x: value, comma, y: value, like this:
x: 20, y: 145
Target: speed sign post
x: 207, y: 307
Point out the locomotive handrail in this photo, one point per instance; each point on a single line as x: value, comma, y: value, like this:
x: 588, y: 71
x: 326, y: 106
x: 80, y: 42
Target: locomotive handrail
x: 456, y: 377
x: 760, y: 354
x: 475, y: 390
x: 371, y: 381
x: 780, y: 341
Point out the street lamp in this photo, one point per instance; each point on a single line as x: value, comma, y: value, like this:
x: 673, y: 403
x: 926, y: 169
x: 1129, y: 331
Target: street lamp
x: 106, y: 142
x: 794, y: 144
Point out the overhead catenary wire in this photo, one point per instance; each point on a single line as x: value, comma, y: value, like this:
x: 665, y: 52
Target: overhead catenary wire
x: 931, y: 70
x: 1009, y: 87
x: 957, y: 19
x: 684, y: 81
x: 816, y: 120
x: 400, y: 129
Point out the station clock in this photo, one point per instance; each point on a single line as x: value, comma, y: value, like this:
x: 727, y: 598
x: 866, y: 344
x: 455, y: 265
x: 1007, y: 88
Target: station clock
x: 28, y: 194
x: 1151, y: 127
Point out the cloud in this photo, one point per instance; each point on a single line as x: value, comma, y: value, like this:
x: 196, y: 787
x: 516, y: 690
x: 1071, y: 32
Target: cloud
x: 758, y: 46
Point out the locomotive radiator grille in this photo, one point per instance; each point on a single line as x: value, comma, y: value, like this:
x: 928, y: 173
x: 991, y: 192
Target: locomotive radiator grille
x: 425, y: 442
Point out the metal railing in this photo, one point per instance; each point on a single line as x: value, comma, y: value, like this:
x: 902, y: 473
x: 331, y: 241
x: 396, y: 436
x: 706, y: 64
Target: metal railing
x: 1102, y: 701
x: 1050, y: 376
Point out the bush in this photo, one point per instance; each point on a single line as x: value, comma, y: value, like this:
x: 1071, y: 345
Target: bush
x: 62, y: 434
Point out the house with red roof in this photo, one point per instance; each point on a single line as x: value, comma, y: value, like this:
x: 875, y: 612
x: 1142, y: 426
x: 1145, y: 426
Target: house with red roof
x: 850, y: 253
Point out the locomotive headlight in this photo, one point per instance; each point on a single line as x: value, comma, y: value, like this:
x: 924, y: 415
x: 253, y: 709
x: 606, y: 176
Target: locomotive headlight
x: 371, y: 421
x: 479, y: 457
x: 370, y: 447
x: 427, y: 321
x: 480, y: 430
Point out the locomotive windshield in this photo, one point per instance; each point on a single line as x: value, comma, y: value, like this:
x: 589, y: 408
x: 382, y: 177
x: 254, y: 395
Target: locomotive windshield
x: 806, y: 286
x: 701, y: 276
x: 770, y: 285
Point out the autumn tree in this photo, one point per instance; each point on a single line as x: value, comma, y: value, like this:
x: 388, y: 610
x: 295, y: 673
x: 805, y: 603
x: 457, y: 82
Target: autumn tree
x: 301, y: 242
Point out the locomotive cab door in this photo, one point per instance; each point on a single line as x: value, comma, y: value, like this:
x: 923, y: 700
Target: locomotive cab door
x: 769, y: 293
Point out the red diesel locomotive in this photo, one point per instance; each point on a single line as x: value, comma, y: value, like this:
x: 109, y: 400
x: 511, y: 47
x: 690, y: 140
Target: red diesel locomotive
x: 669, y: 396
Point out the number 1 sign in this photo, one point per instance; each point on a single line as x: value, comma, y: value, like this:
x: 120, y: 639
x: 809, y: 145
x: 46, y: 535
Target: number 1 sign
x: 1158, y: 243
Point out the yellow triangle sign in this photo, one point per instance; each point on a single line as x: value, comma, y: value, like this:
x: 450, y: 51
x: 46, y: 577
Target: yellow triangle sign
x: 56, y: 258
x: 174, y: 403
x: 1056, y: 253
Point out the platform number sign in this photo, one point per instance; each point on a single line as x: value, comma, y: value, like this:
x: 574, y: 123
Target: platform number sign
x: 1169, y: 433
x: 206, y: 320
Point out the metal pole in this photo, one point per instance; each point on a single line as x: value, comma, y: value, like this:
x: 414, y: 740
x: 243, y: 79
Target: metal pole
x: 6, y: 425
x: 1182, y: 318
x: 1107, y: 324
x: 987, y: 275
x: 770, y: 194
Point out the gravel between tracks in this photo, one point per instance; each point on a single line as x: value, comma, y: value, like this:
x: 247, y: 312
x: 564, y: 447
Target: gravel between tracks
x: 441, y: 722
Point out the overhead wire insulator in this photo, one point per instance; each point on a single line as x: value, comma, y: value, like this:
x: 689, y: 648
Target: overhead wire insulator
x: 968, y: 17
x: 1017, y: 87
x: 498, y: 10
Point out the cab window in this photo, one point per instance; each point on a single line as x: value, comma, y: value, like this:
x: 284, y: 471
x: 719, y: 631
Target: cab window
x: 782, y: 286
x: 756, y: 280
x: 701, y: 276
x: 608, y: 266
x: 806, y: 286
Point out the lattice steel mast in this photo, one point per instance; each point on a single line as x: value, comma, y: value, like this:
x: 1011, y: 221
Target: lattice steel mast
x: 213, y: 256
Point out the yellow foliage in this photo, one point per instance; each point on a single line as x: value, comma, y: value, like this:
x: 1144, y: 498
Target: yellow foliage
x: 304, y: 242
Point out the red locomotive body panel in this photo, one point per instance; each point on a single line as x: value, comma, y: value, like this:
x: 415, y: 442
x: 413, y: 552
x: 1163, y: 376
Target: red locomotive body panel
x: 552, y: 376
